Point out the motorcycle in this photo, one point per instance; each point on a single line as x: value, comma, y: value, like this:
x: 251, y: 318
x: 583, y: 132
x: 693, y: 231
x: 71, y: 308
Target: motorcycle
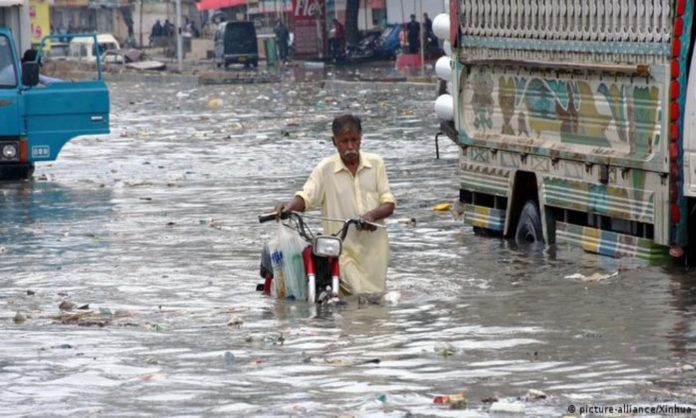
x: 320, y: 256
x: 368, y: 48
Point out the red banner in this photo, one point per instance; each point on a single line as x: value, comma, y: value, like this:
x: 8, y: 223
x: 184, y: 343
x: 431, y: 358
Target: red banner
x: 218, y: 4
x: 454, y: 23
x: 309, y: 22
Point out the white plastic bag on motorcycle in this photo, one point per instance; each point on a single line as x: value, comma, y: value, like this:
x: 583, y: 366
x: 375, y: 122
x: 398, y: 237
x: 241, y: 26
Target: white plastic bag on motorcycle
x: 289, y: 278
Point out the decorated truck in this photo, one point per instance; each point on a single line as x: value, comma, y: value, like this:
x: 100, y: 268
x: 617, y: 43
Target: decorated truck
x: 38, y: 114
x: 576, y: 121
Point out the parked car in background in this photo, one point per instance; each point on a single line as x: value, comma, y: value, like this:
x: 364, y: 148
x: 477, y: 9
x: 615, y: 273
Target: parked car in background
x: 389, y: 46
x: 57, y: 50
x: 84, y: 48
x: 373, y: 46
x: 235, y: 43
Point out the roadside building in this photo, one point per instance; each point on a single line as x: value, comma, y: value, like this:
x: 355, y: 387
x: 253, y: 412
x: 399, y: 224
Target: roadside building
x: 398, y: 11
x: 14, y: 14
x: 122, y: 18
x: 310, y: 20
x: 81, y: 16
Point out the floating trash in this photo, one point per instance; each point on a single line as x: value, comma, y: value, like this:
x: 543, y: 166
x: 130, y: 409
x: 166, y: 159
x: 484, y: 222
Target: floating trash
x: 19, y: 318
x: 442, y: 207
x: 235, y: 322
x: 455, y: 401
x: 215, y: 103
x: 66, y: 306
x: 534, y: 394
x: 392, y: 297
x: 508, y: 407
x: 445, y: 349
x: 595, y: 277
x: 158, y: 327
x: 229, y: 358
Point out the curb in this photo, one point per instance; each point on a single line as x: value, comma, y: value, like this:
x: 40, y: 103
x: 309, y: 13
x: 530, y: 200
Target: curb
x: 410, y: 86
x: 151, y: 78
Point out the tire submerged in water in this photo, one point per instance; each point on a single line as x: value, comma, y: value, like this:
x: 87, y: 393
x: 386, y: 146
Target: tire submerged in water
x: 529, y: 225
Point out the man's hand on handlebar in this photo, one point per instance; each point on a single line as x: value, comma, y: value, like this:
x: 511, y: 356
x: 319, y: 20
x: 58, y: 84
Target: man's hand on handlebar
x: 279, y: 208
x: 365, y: 226
x: 382, y: 211
x: 297, y: 204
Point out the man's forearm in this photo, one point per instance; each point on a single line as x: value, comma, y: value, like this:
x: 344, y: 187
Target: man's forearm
x: 297, y: 204
x: 382, y: 211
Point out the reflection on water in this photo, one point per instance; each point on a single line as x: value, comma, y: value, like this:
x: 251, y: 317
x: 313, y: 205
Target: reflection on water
x: 154, y: 227
x: 49, y: 226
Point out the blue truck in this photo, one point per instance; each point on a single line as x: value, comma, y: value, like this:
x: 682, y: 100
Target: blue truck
x: 36, y: 118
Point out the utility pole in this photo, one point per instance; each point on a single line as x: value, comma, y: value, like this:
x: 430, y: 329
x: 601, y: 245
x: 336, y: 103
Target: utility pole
x: 422, y: 39
x: 367, y: 27
x: 141, y: 23
x: 179, y: 41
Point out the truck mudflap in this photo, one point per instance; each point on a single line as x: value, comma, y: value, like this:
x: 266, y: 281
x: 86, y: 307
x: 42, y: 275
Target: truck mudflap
x: 609, y: 243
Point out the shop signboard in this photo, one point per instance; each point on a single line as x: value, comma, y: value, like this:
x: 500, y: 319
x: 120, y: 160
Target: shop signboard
x: 309, y: 27
x: 39, y: 18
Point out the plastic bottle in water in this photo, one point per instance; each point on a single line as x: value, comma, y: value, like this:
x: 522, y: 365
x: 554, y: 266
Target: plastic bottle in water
x: 295, y: 278
x: 278, y: 289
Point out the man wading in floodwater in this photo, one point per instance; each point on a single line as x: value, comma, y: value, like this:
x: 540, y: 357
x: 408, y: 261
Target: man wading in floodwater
x: 351, y: 184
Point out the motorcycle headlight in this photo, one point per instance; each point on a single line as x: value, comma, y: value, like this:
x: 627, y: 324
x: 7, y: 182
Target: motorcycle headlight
x: 327, y: 246
x: 9, y: 151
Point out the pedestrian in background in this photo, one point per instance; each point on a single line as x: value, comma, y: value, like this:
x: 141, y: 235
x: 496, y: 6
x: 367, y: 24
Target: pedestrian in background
x: 413, y: 35
x: 155, y: 32
x: 428, y: 34
x: 403, y: 37
x: 337, y: 38
x: 282, y: 37
x: 168, y: 29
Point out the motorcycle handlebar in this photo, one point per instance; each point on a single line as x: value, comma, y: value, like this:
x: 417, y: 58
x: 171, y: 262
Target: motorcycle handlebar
x: 272, y: 216
x: 358, y: 222
x: 267, y: 218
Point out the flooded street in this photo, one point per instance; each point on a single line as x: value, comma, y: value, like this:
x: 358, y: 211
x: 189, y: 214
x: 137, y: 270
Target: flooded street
x: 155, y: 228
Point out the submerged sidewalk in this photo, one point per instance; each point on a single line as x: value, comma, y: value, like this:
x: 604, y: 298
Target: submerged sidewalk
x: 204, y: 71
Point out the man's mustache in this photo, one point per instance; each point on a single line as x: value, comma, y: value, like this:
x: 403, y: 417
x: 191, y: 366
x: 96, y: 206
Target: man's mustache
x: 351, y: 153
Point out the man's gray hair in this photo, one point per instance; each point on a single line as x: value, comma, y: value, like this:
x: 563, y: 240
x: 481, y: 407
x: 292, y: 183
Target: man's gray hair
x: 345, y: 122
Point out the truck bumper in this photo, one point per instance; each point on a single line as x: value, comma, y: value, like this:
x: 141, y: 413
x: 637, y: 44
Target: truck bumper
x: 16, y: 171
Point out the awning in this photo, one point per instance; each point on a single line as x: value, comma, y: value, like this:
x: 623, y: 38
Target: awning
x: 70, y: 3
x: 216, y: 4
x: 8, y: 3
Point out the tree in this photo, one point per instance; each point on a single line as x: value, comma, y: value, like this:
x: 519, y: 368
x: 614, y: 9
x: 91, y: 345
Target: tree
x: 351, y: 23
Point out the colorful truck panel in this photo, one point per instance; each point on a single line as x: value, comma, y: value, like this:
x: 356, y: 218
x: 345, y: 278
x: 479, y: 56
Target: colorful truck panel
x: 575, y: 108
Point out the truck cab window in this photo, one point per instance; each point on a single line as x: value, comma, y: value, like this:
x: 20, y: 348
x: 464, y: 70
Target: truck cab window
x: 8, y: 72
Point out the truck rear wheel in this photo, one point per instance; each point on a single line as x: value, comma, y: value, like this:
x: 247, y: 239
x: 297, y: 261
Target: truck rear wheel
x: 529, y: 225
